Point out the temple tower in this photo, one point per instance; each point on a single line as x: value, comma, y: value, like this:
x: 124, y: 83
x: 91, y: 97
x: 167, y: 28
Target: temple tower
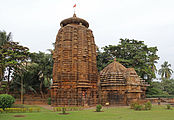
x: 75, y: 70
x: 120, y: 85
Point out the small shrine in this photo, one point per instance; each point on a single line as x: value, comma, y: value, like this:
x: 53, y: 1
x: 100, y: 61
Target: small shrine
x: 120, y: 85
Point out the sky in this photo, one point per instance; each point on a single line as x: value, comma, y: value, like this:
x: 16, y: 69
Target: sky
x: 35, y: 23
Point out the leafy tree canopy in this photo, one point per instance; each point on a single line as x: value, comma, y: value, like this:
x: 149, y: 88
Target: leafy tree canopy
x: 12, y: 55
x: 131, y: 53
x: 36, y: 75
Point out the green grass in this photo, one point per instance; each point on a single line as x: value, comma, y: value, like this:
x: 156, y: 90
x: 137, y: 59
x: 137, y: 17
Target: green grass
x: 117, y: 113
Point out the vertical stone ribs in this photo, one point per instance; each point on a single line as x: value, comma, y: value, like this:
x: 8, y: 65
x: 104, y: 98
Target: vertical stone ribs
x: 120, y: 85
x: 74, y: 71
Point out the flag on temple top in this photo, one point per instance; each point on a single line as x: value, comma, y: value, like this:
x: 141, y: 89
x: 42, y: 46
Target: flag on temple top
x: 74, y: 6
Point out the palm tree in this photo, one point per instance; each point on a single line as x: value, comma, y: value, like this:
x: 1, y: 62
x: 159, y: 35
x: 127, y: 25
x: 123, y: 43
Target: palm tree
x: 165, y: 71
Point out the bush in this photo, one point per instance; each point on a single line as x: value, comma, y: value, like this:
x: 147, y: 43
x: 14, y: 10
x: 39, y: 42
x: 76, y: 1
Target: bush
x: 138, y: 107
x: 132, y: 105
x: 55, y: 109
x: 148, y: 106
x: 1, y: 110
x: 168, y: 106
x: 63, y: 110
x: 49, y: 101
x: 30, y: 109
x: 20, y: 110
x: 98, y: 108
x: 6, y: 101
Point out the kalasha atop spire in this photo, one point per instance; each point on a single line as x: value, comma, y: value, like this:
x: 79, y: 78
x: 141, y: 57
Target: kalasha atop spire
x: 74, y: 15
x: 74, y: 20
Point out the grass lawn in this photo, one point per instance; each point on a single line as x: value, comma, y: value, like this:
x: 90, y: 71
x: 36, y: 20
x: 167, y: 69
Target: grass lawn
x: 117, y: 113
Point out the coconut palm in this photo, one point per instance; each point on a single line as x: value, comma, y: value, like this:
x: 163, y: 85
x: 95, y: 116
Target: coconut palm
x: 165, y: 70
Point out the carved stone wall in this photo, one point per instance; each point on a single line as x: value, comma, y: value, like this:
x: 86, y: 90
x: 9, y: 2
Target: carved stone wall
x: 74, y: 71
x: 120, y: 85
x: 75, y: 76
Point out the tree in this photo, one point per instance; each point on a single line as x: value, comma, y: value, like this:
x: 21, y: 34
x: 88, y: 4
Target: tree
x: 45, y: 66
x: 4, y: 38
x: 36, y: 75
x: 12, y: 55
x: 28, y: 74
x: 156, y: 88
x: 103, y: 59
x: 168, y: 86
x: 161, y: 88
x: 165, y: 70
x: 132, y: 53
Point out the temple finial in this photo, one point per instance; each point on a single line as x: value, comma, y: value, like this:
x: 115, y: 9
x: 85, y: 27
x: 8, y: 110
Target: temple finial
x: 74, y: 10
x: 74, y: 15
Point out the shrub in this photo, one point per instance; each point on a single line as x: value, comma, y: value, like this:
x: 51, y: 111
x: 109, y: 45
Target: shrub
x: 59, y: 109
x: 148, y: 106
x: 30, y: 109
x: 98, y: 108
x: 1, y: 110
x: 49, y: 101
x: 6, y: 101
x: 24, y: 110
x: 138, y: 107
x: 63, y: 110
x: 38, y: 109
x: 19, y: 110
x: 55, y: 109
x: 132, y: 105
x: 168, y: 106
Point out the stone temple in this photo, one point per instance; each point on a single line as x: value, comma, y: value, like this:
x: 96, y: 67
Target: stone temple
x: 120, y: 85
x: 76, y: 81
x: 75, y: 72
